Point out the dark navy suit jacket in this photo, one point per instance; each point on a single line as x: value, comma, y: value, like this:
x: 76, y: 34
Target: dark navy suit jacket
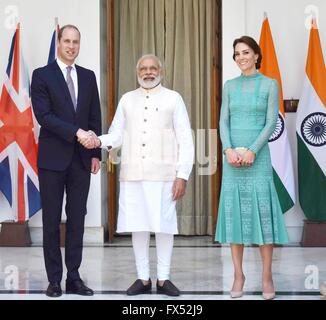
x: 54, y: 111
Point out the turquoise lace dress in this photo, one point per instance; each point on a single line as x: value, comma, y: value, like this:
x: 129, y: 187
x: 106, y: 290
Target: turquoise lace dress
x: 249, y: 210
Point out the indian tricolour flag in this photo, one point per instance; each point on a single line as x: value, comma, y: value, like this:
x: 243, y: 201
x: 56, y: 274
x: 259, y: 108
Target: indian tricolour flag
x: 311, y: 133
x: 278, y: 143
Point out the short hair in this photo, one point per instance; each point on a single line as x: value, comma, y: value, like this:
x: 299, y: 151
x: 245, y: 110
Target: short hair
x: 250, y: 42
x: 149, y: 56
x: 67, y: 26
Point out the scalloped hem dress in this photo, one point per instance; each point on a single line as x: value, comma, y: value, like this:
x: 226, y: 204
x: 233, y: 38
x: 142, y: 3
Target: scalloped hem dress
x: 249, y: 209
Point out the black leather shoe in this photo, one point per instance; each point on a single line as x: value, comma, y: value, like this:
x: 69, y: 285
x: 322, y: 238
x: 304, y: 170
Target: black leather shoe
x: 54, y: 290
x: 78, y: 287
x: 139, y: 288
x: 168, y: 288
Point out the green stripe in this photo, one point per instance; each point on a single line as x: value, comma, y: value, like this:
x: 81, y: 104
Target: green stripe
x: 312, y: 184
x: 286, y: 201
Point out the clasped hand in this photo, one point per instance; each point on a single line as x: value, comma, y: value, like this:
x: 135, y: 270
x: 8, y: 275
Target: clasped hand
x: 237, y: 160
x: 88, y: 139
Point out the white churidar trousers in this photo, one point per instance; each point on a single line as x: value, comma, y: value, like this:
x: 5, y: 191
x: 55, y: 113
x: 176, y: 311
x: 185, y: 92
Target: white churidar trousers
x: 164, y: 247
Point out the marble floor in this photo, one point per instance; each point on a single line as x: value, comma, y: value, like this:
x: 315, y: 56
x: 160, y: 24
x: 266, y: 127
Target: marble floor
x: 201, y: 269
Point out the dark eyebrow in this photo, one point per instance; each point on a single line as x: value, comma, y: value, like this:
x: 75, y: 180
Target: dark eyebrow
x: 237, y: 52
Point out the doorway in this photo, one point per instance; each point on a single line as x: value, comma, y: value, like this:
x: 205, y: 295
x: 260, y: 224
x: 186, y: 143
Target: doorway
x: 186, y: 36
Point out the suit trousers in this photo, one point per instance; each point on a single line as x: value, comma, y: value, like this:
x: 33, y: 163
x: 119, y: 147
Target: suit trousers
x: 75, y: 180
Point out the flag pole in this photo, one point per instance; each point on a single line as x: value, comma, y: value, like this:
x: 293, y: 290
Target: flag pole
x: 314, y: 22
x: 265, y: 15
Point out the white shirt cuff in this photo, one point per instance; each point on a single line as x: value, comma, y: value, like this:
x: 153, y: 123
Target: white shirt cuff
x: 182, y: 175
x: 105, y: 142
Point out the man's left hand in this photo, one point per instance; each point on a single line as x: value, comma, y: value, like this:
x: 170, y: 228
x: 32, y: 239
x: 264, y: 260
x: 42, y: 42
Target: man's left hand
x: 95, y: 166
x: 179, y: 188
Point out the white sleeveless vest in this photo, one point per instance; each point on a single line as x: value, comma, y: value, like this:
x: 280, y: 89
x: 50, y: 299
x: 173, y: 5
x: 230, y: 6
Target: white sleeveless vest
x: 149, y: 149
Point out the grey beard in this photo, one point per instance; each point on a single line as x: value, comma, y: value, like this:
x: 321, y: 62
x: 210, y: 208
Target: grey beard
x: 149, y: 84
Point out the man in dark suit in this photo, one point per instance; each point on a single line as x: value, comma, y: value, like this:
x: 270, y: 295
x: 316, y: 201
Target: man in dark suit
x: 66, y: 104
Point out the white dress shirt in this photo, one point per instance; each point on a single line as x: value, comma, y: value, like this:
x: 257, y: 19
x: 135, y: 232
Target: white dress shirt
x: 74, y: 77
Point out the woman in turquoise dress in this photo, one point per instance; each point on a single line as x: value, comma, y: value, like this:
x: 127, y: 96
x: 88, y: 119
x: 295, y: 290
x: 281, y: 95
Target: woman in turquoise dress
x: 249, y: 209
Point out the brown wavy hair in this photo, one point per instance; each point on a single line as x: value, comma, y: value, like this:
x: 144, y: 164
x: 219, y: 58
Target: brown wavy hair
x: 250, y: 42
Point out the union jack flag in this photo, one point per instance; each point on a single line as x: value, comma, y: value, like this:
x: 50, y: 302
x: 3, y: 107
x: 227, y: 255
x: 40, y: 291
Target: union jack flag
x: 19, y: 186
x: 53, y: 45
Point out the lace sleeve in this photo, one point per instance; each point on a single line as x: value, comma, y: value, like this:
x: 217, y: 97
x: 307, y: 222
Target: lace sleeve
x: 225, y: 119
x: 271, y: 118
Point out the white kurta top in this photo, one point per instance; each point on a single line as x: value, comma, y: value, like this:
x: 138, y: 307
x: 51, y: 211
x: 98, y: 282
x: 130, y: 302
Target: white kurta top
x: 148, y: 205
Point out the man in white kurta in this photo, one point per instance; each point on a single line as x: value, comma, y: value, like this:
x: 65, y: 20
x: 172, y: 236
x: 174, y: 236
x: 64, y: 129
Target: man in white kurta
x: 151, y: 125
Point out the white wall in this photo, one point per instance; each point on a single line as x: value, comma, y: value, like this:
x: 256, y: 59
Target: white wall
x: 287, y: 20
x: 37, y: 24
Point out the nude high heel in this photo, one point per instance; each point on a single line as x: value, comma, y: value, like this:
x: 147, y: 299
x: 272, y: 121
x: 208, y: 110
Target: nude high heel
x: 237, y: 294
x: 269, y: 296
x: 323, y: 289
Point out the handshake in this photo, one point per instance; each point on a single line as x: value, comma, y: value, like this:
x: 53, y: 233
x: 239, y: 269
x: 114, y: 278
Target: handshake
x: 88, y: 139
